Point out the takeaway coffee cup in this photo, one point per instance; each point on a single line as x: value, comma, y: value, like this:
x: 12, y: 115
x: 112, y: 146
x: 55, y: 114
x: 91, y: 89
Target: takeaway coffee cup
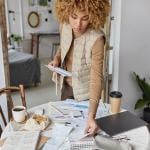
x: 115, y: 101
x: 19, y: 113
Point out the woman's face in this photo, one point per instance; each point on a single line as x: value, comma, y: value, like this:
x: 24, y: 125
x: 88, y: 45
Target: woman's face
x: 79, y: 22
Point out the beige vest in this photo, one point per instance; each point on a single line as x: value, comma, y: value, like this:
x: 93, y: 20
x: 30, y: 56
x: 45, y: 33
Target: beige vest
x: 81, y: 59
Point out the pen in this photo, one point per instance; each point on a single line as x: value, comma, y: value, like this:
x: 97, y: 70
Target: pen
x: 77, y: 116
x: 82, y: 114
x: 59, y: 117
x: 67, y: 123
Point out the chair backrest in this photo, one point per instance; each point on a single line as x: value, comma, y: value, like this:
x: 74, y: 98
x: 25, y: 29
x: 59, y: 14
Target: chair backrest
x: 8, y: 91
x: 2, y: 119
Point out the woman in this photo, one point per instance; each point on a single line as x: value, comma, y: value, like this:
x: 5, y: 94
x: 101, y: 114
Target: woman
x: 81, y: 51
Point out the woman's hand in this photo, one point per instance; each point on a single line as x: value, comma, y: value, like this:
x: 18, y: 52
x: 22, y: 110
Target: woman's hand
x: 54, y: 63
x: 92, y: 127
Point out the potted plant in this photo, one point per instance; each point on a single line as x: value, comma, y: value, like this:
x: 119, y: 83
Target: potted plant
x: 15, y: 40
x: 144, y: 101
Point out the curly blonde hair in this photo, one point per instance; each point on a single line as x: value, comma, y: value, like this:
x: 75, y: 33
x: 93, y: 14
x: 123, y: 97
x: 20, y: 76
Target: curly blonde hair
x: 98, y: 10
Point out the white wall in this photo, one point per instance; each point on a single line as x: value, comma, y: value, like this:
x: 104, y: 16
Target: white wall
x: 20, y: 25
x: 14, y: 25
x: 50, y: 26
x: 134, y: 54
x: 22, y: 10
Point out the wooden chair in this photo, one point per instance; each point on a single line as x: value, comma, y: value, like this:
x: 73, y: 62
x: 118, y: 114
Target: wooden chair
x: 7, y: 91
x: 3, y: 120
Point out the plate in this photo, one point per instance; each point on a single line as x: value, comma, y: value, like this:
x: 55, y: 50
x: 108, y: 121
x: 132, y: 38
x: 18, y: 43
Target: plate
x: 37, y: 122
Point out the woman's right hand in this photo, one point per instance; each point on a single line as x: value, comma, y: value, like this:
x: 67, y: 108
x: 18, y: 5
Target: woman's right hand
x: 54, y: 63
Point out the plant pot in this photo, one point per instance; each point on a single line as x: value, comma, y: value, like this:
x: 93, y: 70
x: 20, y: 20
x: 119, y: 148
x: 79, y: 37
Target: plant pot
x: 146, y: 114
x: 16, y: 45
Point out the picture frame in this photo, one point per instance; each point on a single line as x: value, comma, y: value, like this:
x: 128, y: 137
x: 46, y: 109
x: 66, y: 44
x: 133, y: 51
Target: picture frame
x: 33, y: 19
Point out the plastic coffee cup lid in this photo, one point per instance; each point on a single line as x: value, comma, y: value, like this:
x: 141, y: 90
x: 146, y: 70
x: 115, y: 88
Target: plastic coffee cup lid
x: 115, y: 94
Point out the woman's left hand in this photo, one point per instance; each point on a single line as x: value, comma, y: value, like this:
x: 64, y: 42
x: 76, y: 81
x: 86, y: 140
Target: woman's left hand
x: 92, y: 127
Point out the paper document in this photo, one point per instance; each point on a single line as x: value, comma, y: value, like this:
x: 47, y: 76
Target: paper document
x: 60, y: 71
x: 22, y: 140
x: 59, y: 134
x: 84, y: 144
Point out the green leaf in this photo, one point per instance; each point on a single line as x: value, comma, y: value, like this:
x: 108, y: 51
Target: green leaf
x: 146, y: 96
x: 144, y: 86
x: 141, y: 103
x: 16, y: 37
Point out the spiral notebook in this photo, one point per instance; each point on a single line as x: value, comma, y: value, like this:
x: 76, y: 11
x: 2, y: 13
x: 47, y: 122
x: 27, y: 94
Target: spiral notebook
x: 121, y: 122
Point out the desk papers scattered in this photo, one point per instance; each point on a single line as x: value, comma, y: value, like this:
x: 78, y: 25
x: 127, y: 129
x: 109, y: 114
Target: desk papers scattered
x: 78, y: 140
x: 60, y: 71
x: 82, y: 145
x: 22, y: 140
x: 61, y: 112
x: 60, y: 133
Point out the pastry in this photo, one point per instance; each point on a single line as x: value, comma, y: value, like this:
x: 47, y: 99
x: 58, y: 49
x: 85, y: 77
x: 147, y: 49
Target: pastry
x: 37, y: 122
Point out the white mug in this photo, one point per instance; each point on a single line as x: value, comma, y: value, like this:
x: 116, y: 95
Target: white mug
x: 19, y: 113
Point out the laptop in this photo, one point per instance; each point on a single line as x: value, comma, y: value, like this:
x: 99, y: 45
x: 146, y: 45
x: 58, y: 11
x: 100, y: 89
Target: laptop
x: 121, y: 122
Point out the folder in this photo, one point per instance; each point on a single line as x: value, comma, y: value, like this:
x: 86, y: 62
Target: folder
x: 121, y: 122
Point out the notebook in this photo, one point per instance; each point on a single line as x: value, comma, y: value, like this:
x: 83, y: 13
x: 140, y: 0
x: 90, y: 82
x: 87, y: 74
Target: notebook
x: 118, y: 123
